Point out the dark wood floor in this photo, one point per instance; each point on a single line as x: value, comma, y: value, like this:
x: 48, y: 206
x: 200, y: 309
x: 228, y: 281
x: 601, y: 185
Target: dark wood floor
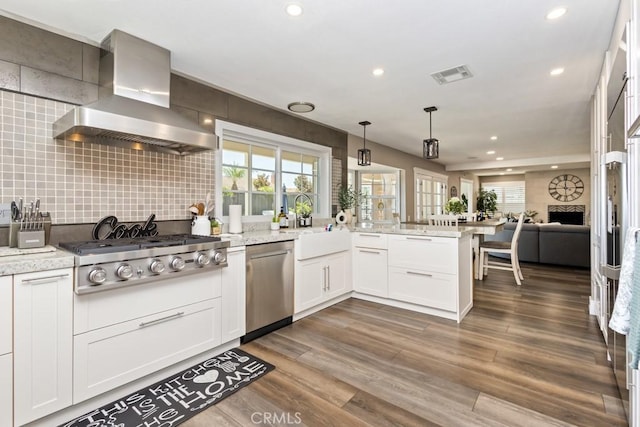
x: 524, y: 356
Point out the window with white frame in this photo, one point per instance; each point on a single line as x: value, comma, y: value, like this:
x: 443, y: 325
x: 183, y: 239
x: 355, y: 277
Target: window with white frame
x: 263, y: 172
x: 381, y: 191
x: 510, y: 196
x: 431, y: 193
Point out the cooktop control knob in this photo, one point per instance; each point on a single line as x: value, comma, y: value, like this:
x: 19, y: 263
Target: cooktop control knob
x: 177, y: 263
x: 218, y: 257
x: 98, y: 276
x: 156, y: 266
x: 124, y: 271
x: 202, y: 260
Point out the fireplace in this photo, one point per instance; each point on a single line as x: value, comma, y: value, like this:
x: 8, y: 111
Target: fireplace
x: 567, y: 214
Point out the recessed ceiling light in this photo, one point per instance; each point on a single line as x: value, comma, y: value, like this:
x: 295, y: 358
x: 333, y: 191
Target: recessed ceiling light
x: 207, y: 121
x: 491, y: 152
x: 556, y: 13
x: 501, y: 173
x: 509, y: 170
x: 499, y: 158
x: 493, y: 138
x: 294, y: 9
x: 378, y: 72
x: 301, y: 107
x: 556, y: 71
x: 554, y: 167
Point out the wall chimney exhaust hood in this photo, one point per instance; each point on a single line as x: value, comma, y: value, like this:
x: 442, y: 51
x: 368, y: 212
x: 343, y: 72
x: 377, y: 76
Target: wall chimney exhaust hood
x: 132, y: 110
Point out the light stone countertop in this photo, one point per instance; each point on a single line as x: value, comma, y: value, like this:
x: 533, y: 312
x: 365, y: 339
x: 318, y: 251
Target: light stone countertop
x: 26, y: 262
x: 268, y: 236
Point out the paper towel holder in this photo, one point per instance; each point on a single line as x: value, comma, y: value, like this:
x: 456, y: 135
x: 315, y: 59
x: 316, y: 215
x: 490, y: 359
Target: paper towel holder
x: 235, y: 219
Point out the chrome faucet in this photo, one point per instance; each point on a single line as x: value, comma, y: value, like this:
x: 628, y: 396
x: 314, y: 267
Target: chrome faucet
x: 295, y: 205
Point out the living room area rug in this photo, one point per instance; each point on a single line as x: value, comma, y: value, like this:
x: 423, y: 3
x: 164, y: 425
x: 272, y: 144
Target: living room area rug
x: 179, y: 397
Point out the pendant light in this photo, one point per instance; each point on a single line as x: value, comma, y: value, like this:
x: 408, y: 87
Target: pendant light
x: 431, y: 146
x: 364, y: 154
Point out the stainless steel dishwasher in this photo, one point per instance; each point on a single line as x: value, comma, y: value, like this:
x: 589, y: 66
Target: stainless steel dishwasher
x: 269, y: 288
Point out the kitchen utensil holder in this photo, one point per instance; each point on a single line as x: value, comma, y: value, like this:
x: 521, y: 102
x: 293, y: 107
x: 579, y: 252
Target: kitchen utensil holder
x: 43, y: 224
x: 28, y: 239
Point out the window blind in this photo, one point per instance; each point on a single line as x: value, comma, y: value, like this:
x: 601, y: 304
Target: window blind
x: 510, y: 196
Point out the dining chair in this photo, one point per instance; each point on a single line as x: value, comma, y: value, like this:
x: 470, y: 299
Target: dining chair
x: 510, y: 248
x: 443, y: 220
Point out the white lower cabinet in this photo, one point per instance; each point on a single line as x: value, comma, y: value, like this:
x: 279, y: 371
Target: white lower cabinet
x: 320, y: 279
x: 6, y: 315
x: 370, y: 271
x: 433, y: 273
x: 6, y: 348
x: 43, y: 348
x: 234, y: 295
x: 108, y: 357
x: 6, y: 390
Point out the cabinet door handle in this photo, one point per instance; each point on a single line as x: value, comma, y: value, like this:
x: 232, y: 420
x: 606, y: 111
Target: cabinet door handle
x: 162, y: 319
x: 415, y: 273
x: 41, y: 280
x: 270, y: 254
x: 369, y: 251
x: 370, y: 235
x: 328, y: 277
x: 419, y: 238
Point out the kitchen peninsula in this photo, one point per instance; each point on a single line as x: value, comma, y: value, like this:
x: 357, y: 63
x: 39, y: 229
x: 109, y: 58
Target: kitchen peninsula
x: 412, y: 266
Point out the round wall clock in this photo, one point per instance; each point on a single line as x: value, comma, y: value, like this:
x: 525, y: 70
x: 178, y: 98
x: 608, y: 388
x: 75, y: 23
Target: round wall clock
x: 566, y: 188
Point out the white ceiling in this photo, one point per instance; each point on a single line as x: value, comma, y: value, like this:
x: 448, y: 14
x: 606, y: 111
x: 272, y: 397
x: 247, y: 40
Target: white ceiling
x: 326, y: 56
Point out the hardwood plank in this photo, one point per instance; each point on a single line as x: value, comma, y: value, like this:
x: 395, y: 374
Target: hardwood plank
x: 513, y: 415
x: 379, y: 412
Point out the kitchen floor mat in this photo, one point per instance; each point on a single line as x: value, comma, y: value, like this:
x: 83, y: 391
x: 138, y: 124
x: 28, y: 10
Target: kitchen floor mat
x: 179, y: 397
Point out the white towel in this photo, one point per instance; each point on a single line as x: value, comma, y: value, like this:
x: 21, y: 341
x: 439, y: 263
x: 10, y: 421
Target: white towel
x: 621, y: 315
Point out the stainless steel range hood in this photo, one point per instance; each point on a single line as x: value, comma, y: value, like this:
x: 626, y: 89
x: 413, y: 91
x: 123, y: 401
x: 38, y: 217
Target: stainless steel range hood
x: 132, y: 110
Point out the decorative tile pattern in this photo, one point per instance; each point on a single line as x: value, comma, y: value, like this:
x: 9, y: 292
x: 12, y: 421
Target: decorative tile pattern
x: 81, y: 183
x: 336, y: 179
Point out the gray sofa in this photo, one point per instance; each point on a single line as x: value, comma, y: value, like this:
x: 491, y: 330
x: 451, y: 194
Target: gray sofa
x: 559, y: 244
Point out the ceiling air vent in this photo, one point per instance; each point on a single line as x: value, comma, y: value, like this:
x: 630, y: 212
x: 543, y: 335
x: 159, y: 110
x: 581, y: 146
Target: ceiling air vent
x: 452, y: 74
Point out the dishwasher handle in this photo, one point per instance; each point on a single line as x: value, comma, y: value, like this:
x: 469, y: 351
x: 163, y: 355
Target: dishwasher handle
x: 270, y: 254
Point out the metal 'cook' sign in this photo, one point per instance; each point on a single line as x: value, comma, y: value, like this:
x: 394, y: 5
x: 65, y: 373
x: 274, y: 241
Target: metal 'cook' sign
x: 109, y: 228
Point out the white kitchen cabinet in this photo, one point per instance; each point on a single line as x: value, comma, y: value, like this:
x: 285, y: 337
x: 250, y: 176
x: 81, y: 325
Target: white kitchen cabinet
x: 6, y: 390
x: 43, y: 343
x: 6, y: 314
x: 370, y: 264
x: 108, y: 357
x: 321, y: 279
x: 432, y: 274
x: 234, y: 295
x: 6, y: 348
x: 310, y: 283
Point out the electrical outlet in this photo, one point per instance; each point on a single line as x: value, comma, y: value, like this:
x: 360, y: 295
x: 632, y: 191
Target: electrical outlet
x: 5, y: 213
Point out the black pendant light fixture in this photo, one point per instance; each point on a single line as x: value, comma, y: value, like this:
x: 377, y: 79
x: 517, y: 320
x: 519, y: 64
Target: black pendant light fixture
x: 364, y: 154
x: 431, y: 146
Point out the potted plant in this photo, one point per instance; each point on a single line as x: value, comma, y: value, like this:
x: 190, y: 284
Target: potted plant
x: 215, y: 227
x: 487, y: 201
x: 348, y: 198
x: 454, y: 206
x: 275, y: 222
x: 303, y: 213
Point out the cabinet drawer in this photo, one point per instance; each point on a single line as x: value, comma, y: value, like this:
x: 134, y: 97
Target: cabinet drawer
x: 419, y: 287
x: 109, y: 357
x: 6, y: 315
x: 433, y: 254
x: 370, y: 240
x: 100, y: 309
